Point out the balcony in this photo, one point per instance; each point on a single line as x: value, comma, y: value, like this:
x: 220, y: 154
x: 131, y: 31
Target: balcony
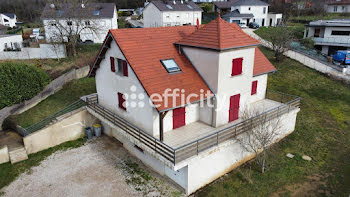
x: 197, y: 137
x: 332, y: 41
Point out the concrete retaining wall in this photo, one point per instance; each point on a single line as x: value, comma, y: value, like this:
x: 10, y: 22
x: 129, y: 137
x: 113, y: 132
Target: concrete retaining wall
x: 69, y: 127
x: 4, y: 155
x: 50, y: 89
x: 45, y: 51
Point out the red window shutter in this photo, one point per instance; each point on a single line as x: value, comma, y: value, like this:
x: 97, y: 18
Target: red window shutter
x: 254, y: 87
x: 112, y: 64
x: 237, y: 66
x: 121, y: 101
x: 125, y: 68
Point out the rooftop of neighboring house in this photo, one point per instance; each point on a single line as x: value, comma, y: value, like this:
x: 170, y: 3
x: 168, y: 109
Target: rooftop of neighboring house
x: 236, y: 13
x: 162, y: 43
x: 330, y: 23
x: 338, y: 2
x: 66, y: 10
x: 230, y: 3
x: 176, y: 5
x: 10, y: 15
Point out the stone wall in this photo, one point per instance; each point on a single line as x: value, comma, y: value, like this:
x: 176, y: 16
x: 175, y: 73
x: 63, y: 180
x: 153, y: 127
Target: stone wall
x: 50, y: 89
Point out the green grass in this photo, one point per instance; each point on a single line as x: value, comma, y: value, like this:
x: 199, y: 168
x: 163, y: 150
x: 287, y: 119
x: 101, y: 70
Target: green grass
x: 322, y: 132
x: 9, y: 172
x: 308, y: 18
x: 69, y: 93
x: 296, y: 29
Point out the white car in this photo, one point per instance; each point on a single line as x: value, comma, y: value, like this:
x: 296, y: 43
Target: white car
x: 242, y: 25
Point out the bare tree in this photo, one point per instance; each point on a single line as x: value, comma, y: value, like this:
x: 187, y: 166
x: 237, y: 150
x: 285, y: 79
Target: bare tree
x: 262, y: 132
x: 68, y: 19
x: 280, y: 39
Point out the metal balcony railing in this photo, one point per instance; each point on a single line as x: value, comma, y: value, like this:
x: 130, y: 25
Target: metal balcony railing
x: 176, y: 155
x: 341, y: 41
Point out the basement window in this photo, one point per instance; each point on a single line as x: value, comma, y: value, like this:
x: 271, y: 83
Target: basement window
x: 170, y: 65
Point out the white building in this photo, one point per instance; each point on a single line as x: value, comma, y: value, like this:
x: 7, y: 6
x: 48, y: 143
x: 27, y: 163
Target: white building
x: 171, y: 13
x: 337, y: 6
x: 329, y: 35
x: 9, y: 42
x: 92, y: 21
x: 8, y: 19
x: 175, y: 97
x: 247, y: 11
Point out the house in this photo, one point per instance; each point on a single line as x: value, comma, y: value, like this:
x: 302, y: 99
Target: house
x: 207, y: 1
x: 90, y: 21
x: 8, y: 19
x: 337, y: 6
x: 171, y: 13
x: 175, y: 97
x: 329, y: 35
x: 223, y: 6
x: 246, y: 11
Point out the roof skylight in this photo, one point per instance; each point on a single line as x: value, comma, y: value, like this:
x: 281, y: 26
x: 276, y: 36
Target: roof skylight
x: 170, y: 65
x: 189, y: 6
x: 96, y: 12
x: 169, y: 6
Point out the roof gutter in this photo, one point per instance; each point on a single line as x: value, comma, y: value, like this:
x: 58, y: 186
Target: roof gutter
x: 225, y: 49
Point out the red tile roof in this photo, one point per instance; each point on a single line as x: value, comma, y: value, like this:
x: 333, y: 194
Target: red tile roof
x: 143, y: 48
x: 261, y: 64
x: 219, y: 35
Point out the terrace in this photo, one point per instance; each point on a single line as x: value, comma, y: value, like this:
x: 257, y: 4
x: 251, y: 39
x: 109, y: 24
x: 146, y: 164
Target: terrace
x: 197, y: 137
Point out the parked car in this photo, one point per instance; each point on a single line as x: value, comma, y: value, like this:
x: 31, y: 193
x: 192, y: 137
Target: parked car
x: 242, y: 25
x: 254, y: 25
x: 342, y: 57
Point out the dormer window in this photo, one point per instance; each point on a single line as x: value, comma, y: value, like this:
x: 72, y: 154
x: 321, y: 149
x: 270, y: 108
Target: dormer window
x: 96, y: 12
x: 170, y: 65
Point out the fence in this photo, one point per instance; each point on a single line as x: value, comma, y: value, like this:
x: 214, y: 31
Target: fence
x: 288, y: 103
x: 44, y: 122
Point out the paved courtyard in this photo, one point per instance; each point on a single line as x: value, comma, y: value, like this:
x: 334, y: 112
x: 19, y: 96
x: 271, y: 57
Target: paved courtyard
x: 102, y: 167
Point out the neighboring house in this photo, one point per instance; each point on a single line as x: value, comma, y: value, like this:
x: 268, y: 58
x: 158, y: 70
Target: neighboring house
x: 207, y: 1
x: 94, y: 20
x: 8, y: 19
x: 246, y: 11
x: 171, y: 13
x: 9, y: 42
x: 223, y: 6
x: 175, y: 97
x: 329, y: 35
x: 337, y: 6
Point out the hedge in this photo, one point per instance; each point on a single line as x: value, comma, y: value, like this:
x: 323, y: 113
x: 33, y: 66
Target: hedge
x: 20, y: 82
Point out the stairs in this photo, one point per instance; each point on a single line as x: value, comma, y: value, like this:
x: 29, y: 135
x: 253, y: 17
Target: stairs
x: 18, y: 154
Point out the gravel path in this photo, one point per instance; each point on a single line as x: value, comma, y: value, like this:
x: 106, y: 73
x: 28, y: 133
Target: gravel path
x: 98, y: 168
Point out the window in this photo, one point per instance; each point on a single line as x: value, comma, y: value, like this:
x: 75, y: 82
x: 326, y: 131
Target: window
x: 317, y: 33
x: 264, y: 11
x: 122, y: 67
x: 60, y: 12
x: 178, y: 16
x: 112, y: 64
x: 237, y: 66
x: 170, y: 65
x: 69, y: 23
x: 341, y: 33
x: 249, y: 8
x: 96, y: 13
x: 5, y: 20
x: 335, y: 8
x: 254, y: 87
x: 167, y: 16
x: 121, y: 101
x: 87, y: 23
x: 53, y: 24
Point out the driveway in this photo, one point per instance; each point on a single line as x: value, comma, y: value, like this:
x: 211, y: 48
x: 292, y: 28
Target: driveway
x: 102, y: 167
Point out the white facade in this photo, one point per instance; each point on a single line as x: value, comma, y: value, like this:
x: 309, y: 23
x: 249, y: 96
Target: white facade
x: 96, y: 32
x: 10, y: 42
x: 330, y: 38
x: 153, y: 17
x: 337, y: 8
x: 8, y: 21
x: 259, y: 12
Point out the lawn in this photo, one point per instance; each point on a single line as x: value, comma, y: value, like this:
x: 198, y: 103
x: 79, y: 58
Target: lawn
x: 9, y: 172
x: 328, y: 16
x: 69, y: 93
x: 296, y: 29
x: 322, y: 132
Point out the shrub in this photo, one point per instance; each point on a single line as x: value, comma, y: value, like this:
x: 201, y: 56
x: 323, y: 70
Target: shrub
x: 19, y: 82
x: 308, y: 43
x: 10, y: 123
